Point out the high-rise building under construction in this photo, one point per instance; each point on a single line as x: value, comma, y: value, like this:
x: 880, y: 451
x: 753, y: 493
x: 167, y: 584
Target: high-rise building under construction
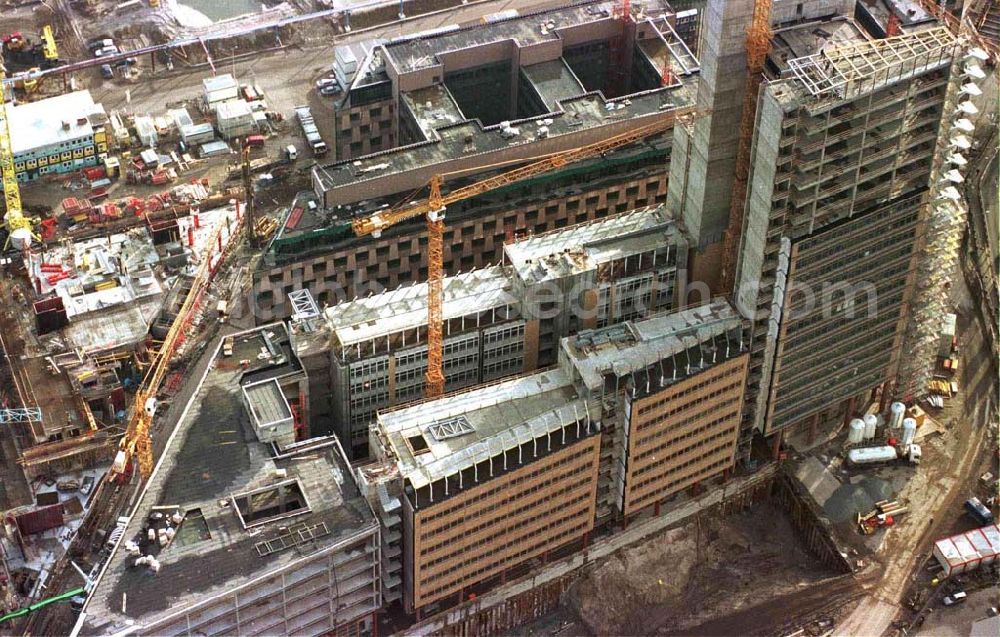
x: 842, y: 226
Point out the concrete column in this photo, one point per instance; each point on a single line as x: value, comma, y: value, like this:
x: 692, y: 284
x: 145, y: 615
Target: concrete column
x: 711, y: 155
x: 776, y: 444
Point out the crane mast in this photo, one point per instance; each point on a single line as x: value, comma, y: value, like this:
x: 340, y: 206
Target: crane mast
x: 434, y: 211
x: 758, y: 44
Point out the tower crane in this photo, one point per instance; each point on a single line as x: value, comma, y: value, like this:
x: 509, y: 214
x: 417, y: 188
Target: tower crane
x: 433, y: 209
x: 758, y: 43
x: 136, y: 443
x: 13, y: 217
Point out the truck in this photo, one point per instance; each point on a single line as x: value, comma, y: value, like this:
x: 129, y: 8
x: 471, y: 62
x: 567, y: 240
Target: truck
x: 308, y: 124
x: 910, y: 453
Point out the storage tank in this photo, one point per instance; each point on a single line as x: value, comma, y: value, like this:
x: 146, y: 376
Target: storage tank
x: 856, y: 432
x: 896, y: 413
x: 909, y: 431
x: 20, y: 239
x: 871, y: 422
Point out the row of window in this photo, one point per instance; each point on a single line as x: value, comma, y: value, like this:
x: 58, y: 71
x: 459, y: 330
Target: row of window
x: 724, y: 432
x: 678, y: 467
x: 711, y: 380
x: 492, y: 566
x: 498, y: 528
x: 671, y: 432
x: 512, y: 483
x: 484, y: 507
x: 680, y: 482
x: 65, y: 156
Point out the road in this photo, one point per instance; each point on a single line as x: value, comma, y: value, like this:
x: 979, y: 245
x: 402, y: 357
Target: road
x: 932, y: 515
x: 285, y: 76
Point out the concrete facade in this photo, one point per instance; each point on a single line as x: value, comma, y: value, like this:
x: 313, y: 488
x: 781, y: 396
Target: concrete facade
x: 834, y: 226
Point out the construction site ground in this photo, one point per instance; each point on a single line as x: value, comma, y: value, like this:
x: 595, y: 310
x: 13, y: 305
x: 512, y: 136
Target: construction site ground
x: 957, y: 621
x: 714, y: 575
x: 750, y: 574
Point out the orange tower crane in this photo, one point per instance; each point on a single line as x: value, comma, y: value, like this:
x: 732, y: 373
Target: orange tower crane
x: 758, y: 45
x: 434, y: 210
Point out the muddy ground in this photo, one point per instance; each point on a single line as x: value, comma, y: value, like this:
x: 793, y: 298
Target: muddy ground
x: 686, y: 576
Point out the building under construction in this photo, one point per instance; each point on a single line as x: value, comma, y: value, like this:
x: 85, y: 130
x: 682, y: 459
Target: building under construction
x: 243, y: 527
x: 496, y: 477
x: 468, y: 102
x: 843, y: 259
x: 371, y: 353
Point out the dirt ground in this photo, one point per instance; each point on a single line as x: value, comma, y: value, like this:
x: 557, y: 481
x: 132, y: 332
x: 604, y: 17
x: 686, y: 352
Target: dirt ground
x: 956, y: 621
x: 685, y: 576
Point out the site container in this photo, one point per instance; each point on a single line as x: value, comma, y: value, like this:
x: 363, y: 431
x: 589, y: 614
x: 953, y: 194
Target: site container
x: 968, y: 551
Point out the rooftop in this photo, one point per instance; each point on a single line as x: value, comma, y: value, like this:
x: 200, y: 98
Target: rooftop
x: 803, y: 40
x: 441, y: 437
x: 223, y: 480
x: 405, y: 308
x: 51, y: 121
x: 632, y: 346
x: 417, y: 53
x: 848, y: 70
x: 565, y: 252
x: 571, y: 108
x: 554, y: 81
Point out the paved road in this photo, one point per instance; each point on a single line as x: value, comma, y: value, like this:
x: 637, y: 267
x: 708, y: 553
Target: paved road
x: 285, y: 76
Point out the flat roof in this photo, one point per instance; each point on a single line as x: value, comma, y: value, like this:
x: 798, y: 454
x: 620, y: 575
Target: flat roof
x: 632, y: 346
x: 212, y: 456
x: 50, y: 121
x: 554, y: 81
x: 405, y: 308
x: 815, y: 37
x: 433, y: 107
x: 418, y: 53
x: 582, y: 247
x: 494, y: 418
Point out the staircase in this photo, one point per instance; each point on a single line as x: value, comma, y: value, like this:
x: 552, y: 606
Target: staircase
x: 985, y: 14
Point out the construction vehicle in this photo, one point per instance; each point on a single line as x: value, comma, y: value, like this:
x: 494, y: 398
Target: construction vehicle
x: 434, y: 211
x: 49, y: 50
x: 14, y: 41
x: 758, y: 45
x: 885, y: 513
x: 911, y: 453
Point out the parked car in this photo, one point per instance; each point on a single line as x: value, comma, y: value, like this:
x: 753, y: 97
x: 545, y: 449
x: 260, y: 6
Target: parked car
x: 955, y: 598
x: 978, y: 511
x: 332, y: 89
x: 107, y: 72
x: 326, y: 81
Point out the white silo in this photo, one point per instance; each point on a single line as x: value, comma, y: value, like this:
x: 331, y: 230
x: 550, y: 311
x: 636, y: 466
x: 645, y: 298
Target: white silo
x: 856, y: 432
x: 896, y: 413
x: 909, y: 431
x: 20, y: 239
x: 871, y: 422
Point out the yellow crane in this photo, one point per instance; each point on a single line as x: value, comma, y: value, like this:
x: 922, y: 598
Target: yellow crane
x: 13, y: 217
x: 434, y: 211
x: 136, y: 443
x: 758, y: 44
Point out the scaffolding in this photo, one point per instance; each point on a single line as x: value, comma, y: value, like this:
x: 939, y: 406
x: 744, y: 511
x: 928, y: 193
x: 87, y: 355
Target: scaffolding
x: 844, y: 72
x: 946, y: 221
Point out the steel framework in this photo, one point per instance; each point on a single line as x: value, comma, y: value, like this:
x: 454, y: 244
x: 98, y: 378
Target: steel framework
x: 758, y: 44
